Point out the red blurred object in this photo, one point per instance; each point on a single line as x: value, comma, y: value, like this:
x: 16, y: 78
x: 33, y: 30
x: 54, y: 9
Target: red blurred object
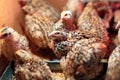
x: 70, y: 25
x: 115, y: 5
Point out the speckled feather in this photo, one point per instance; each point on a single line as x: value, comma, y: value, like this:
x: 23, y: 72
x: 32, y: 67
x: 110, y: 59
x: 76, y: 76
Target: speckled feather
x: 83, y: 60
x: 29, y: 66
x: 43, y: 8
x: 37, y: 29
x: 113, y: 69
x: 63, y: 47
x: 90, y: 21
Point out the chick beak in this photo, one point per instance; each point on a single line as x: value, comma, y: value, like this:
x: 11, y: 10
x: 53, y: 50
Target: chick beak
x: 4, y: 35
x: 52, y: 34
x: 22, y: 54
x: 118, y: 25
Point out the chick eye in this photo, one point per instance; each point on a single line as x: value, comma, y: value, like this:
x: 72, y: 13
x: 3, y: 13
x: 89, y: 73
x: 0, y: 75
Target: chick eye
x: 66, y: 14
x: 57, y: 33
x: 7, y: 34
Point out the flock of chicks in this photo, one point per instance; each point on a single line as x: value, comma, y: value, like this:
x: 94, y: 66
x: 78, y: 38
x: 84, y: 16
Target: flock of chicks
x: 79, y: 39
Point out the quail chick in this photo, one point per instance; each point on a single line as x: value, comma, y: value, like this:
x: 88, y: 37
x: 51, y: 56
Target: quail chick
x: 39, y: 20
x: 30, y: 67
x: 42, y: 7
x: 76, y: 48
x: 90, y: 21
x: 65, y: 23
x: 63, y: 47
x: 61, y: 28
x: 63, y: 41
x: 83, y: 60
x: 113, y: 69
x: 37, y: 29
x: 12, y: 41
x: 56, y: 37
x: 75, y: 7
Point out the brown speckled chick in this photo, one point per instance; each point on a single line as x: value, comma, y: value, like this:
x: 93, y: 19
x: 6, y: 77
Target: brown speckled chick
x: 65, y: 23
x: 63, y: 41
x: 83, y: 60
x: 13, y: 41
x: 39, y: 20
x: 42, y: 7
x: 37, y: 29
x: 57, y: 37
x: 81, y: 54
x: 113, y: 70
x: 30, y: 67
x: 90, y: 21
x: 61, y: 28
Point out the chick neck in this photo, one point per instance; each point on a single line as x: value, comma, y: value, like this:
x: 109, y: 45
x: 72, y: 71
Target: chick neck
x: 68, y: 24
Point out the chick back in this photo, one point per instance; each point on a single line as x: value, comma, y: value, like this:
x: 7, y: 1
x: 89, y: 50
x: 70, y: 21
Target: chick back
x: 83, y: 60
x: 43, y: 8
x: 113, y: 69
x: 33, y: 69
x: 90, y: 21
x: 37, y: 29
